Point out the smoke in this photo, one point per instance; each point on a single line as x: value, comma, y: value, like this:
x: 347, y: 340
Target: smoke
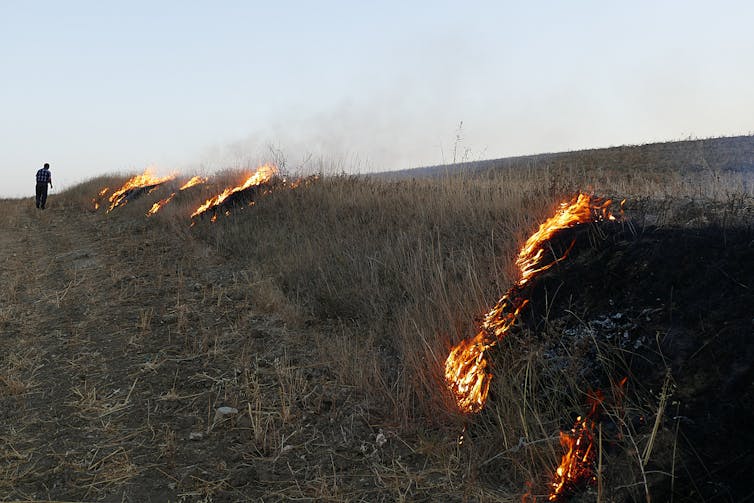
x: 382, y: 120
x: 389, y: 133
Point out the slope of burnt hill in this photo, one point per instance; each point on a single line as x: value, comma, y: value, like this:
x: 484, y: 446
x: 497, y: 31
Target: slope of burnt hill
x: 643, y: 304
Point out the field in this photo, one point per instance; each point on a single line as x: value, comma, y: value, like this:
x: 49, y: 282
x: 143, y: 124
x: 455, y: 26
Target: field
x: 322, y: 316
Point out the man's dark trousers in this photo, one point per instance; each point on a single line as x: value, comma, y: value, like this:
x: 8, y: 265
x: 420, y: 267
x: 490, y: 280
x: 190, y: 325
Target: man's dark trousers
x: 41, y: 195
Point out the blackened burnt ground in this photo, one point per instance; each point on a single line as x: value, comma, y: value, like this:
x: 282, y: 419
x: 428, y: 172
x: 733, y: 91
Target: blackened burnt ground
x: 650, y: 305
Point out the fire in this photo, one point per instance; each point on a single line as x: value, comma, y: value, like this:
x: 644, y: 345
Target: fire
x: 466, y: 373
x: 297, y: 182
x: 262, y: 175
x: 147, y: 183
x: 196, y: 180
x: 100, y: 194
x: 466, y: 366
x: 144, y: 182
x: 501, y: 318
x: 580, y: 210
x: 577, y: 464
x: 159, y: 204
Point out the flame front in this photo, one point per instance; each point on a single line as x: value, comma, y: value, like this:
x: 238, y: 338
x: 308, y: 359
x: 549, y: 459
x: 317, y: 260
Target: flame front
x: 466, y: 373
x: 100, y: 195
x: 159, y: 204
x: 262, y: 175
x: 580, y: 210
x: 145, y: 181
x: 195, y: 180
x: 577, y: 464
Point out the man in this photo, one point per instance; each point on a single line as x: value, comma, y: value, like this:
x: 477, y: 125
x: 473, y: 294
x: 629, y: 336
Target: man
x: 43, y: 178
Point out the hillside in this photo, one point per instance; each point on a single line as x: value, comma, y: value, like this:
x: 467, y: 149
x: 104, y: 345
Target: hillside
x: 290, y: 345
x: 734, y: 153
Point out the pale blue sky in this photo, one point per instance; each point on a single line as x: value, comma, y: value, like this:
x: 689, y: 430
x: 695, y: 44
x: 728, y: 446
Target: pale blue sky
x: 101, y: 87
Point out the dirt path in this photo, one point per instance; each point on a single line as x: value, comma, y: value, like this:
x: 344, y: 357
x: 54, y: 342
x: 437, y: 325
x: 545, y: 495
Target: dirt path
x: 117, y: 348
x: 107, y: 371
x: 40, y: 349
x: 80, y: 358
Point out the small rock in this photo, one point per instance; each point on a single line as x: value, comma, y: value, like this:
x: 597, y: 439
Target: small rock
x: 195, y: 435
x: 224, y: 412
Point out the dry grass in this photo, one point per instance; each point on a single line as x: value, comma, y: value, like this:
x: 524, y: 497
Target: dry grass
x: 400, y: 270
x: 324, y: 315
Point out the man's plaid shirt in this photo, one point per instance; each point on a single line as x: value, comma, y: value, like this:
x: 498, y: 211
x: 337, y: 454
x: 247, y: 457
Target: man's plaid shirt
x: 44, y: 176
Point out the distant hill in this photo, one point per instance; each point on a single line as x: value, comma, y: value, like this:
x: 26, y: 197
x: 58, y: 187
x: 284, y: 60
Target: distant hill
x: 724, y: 154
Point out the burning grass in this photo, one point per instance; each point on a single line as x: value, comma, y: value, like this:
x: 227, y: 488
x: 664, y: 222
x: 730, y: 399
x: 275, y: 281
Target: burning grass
x: 134, y: 187
x: 261, y: 176
x: 255, y: 184
x: 466, y: 371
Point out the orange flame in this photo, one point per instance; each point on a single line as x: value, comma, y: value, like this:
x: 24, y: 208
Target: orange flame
x: 466, y: 373
x: 306, y: 181
x: 196, y: 180
x: 262, y: 175
x: 159, y: 204
x: 577, y: 464
x: 145, y: 180
x: 580, y: 210
x: 100, y: 194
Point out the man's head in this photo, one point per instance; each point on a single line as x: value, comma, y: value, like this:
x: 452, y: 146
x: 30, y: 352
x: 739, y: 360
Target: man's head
x: 46, y: 166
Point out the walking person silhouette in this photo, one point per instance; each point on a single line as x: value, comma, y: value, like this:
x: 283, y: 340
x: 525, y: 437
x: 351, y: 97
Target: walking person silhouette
x: 44, y: 177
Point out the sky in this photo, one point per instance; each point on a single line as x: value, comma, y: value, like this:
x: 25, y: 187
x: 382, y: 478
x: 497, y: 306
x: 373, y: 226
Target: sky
x: 103, y: 87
